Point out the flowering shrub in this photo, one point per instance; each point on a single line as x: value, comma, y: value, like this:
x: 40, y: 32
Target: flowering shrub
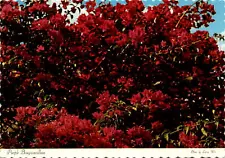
x: 119, y: 77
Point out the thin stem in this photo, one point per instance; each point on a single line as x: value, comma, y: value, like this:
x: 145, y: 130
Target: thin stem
x: 185, y: 13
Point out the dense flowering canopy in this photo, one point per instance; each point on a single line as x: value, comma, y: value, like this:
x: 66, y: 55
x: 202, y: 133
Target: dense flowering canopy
x: 119, y: 77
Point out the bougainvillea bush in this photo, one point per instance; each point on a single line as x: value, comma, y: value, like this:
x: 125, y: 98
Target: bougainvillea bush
x: 119, y: 77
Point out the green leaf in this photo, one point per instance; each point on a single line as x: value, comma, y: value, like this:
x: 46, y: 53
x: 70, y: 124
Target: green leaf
x: 39, y: 105
x: 174, y: 58
x: 202, y: 137
x: 129, y: 113
x: 122, y: 102
x: 166, y: 136
x: 189, y: 78
x: 179, y: 127
x: 45, y: 97
x: 36, y: 92
x: 116, y: 46
x: 186, y: 129
x: 165, y: 131
x: 217, y: 124
x: 157, y: 137
x: 49, y: 106
x: 157, y: 83
x: 134, y: 108
x: 9, y: 62
x: 204, y: 132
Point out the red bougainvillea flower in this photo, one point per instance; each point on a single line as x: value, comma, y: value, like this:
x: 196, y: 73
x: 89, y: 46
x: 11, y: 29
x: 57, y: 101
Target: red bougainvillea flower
x: 90, y: 5
x: 189, y: 141
x: 120, y: 76
x: 42, y: 24
x: 137, y: 35
x: 135, y: 99
x: 105, y: 100
x: 40, y: 48
x: 157, y: 125
x: 6, y: 10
